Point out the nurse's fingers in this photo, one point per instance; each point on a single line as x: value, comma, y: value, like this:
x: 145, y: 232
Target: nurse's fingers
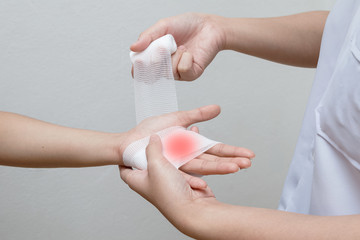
x: 187, y: 69
x: 175, y: 58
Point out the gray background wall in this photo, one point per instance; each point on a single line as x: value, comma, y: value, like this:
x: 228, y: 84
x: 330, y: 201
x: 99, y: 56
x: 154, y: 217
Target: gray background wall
x: 67, y: 62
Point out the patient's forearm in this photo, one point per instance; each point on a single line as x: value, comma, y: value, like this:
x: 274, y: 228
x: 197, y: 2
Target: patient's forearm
x: 27, y: 142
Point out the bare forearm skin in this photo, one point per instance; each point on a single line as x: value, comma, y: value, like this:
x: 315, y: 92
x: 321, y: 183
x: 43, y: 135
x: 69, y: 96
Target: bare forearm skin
x: 293, y: 40
x: 210, y: 219
x: 27, y: 142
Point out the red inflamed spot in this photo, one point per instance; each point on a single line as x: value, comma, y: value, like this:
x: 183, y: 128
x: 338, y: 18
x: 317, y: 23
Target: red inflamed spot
x: 179, y: 145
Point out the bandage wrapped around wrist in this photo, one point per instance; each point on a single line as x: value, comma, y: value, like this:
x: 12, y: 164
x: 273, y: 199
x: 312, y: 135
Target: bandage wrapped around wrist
x: 155, y: 94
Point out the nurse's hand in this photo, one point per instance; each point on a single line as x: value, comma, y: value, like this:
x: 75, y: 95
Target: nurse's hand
x: 220, y: 159
x: 196, y: 212
x: 199, y: 38
x: 164, y: 186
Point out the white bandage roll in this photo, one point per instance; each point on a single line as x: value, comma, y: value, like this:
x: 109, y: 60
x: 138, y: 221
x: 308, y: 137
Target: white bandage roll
x: 154, y: 84
x: 155, y: 94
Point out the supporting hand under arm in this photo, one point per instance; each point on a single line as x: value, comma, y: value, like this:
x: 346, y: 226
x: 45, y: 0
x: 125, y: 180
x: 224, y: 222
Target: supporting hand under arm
x: 196, y: 212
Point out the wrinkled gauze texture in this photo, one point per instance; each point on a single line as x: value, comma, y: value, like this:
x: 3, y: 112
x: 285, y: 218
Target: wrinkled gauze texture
x: 155, y: 94
x: 154, y: 83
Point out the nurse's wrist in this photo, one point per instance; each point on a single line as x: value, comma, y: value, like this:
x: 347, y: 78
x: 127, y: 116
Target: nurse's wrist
x: 194, y: 218
x: 233, y: 29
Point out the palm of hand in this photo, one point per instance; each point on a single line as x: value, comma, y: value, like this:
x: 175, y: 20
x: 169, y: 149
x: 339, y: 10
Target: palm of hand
x: 152, y: 125
x: 220, y: 159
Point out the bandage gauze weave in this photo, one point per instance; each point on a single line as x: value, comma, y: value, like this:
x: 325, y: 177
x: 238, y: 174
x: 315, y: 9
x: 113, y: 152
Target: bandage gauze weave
x: 155, y: 94
x: 154, y: 84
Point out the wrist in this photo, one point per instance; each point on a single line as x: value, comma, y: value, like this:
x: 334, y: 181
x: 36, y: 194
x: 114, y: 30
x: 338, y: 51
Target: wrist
x: 229, y: 29
x: 118, y: 143
x: 238, y: 33
x: 219, y: 24
x: 231, y: 32
x: 224, y: 31
x: 194, y: 218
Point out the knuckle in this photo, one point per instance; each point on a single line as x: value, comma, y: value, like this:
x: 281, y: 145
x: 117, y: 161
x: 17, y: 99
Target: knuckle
x: 162, y: 22
x: 203, y: 166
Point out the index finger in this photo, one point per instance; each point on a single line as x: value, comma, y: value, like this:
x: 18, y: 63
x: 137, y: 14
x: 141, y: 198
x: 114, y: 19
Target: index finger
x: 152, y: 33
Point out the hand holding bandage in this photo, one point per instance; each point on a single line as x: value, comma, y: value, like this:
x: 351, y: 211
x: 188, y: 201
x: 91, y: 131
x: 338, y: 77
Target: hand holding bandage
x: 155, y: 95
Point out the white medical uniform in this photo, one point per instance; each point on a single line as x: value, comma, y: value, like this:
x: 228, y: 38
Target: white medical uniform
x: 324, y: 177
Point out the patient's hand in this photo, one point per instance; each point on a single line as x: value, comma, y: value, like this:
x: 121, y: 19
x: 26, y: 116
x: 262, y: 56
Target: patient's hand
x: 220, y: 159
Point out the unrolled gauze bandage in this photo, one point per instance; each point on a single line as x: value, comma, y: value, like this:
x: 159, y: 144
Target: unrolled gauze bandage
x: 154, y: 84
x: 155, y: 94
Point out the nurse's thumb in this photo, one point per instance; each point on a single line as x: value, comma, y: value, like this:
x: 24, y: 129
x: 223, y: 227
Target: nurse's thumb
x: 154, y: 154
